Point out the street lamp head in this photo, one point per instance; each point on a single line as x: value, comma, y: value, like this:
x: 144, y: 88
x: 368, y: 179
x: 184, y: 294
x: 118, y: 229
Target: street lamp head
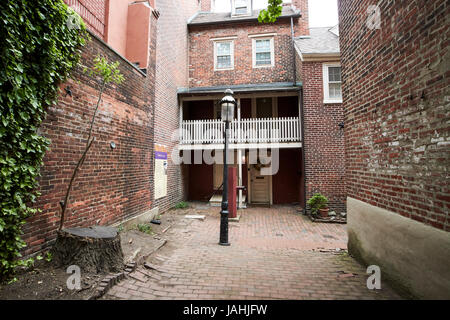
x: 227, y: 105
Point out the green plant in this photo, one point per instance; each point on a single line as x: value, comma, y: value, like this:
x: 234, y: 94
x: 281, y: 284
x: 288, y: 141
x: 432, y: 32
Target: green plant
x: 49, y: 257
x: 120, y: 228
x: 38, y: 50
x: 28, y: 263
x: 145, y: 228
x: 273, y: 11
x: 181, y: 205
x: 107, y: 72
x: 316, y: 202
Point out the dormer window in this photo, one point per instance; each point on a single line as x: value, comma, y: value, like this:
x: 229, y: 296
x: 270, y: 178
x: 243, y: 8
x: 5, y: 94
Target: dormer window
x: 241, y: 7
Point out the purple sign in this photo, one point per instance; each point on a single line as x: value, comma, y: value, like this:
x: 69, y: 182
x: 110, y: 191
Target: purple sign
x: 161, y: 155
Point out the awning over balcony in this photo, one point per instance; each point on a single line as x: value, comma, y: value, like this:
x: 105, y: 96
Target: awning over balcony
x: 243, y: 88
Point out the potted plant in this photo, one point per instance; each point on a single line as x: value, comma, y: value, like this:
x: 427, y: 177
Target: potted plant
x: 319, y: 204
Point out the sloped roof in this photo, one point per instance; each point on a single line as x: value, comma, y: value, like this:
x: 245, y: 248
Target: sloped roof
x: 225, y: 17
x: 320, y: 41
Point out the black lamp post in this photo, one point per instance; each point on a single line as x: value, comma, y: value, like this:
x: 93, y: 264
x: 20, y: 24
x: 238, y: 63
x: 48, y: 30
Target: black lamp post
x: 227, y: 105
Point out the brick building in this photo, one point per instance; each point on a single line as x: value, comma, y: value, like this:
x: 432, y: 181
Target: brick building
x: 318, y: 61
x: 284, y: 112
x: 114, y: 183
x: 396, y: 80
x: 178, y: 58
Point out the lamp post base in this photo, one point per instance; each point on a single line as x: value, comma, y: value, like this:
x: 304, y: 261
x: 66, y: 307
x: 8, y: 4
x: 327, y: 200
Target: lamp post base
x: 223, y: 240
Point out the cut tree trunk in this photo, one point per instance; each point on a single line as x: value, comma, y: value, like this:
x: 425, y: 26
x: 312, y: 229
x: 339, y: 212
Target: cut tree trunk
x: 95, y: 249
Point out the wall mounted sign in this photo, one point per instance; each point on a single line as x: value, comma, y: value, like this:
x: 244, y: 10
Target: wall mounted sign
x: 161, y: 165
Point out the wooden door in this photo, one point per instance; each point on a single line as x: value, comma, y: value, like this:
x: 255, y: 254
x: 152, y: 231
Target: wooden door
x: 260, y: 186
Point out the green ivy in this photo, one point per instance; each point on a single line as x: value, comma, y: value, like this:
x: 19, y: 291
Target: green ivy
x: 39, y: 48
x: 273, y: 11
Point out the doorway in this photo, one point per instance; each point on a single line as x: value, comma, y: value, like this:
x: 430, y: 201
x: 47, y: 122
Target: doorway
x: 260, y: 191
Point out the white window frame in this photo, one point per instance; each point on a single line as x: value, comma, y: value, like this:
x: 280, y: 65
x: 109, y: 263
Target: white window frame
x: 326, y: 89
x: 249, y: 9
x: 231, y: 41
x: 272, y: 51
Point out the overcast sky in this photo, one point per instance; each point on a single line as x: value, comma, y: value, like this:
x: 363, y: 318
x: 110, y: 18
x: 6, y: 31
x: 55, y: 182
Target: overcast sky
x: 322, y: 13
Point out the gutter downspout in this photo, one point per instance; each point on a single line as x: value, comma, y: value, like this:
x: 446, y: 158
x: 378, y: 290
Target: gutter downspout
x: 302, y: 121
x: 302, y: 132
x: 293, y: 52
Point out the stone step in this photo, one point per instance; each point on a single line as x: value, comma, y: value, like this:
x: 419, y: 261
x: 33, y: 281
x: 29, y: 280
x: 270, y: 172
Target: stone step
x: 216, y: 200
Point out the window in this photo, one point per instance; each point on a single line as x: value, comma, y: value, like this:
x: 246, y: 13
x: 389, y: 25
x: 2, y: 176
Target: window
x: 223, y: 55
x: 332, y: 85
x: 263, y: 52
x: 241, y: 7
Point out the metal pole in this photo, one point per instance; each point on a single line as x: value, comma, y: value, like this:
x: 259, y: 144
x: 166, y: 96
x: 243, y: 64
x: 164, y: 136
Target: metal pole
x: 224, y: 212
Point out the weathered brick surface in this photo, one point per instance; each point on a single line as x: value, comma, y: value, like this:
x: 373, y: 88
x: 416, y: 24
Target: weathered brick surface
x: 171, y: 73
x: 112, y: 184
x: 396, y: 84
x: 302, y: 27
x: 201, y: 54
x: 323, y: 139
x: 205, y: 5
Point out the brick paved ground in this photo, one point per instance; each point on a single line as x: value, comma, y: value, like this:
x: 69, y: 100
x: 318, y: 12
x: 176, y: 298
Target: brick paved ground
x: 275, y: 253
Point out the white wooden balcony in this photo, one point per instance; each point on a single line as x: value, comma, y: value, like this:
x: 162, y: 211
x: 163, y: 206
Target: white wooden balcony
x: 244, y: 133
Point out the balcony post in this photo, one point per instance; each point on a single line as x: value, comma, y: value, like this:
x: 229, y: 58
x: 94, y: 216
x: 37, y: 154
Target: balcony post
x: 181, y: 122
x: 239, y: 151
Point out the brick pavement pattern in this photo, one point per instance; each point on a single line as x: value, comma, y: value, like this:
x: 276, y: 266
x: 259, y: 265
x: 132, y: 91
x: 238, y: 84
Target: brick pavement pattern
x: 275, y: 253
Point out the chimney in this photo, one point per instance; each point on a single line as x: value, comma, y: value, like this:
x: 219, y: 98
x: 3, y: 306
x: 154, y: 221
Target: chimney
x: 303, y: 23
x: 206, y: 5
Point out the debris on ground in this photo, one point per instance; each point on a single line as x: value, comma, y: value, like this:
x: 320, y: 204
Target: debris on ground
x: 195, y: 216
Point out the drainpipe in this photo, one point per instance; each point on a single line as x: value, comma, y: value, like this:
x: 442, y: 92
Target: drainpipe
x: 302, y: 132
x: 293, y: 51
x: 302, y: 125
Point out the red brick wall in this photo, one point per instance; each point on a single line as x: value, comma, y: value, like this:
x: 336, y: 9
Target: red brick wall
x: 396, y: 99
x: 205, y: 5
x: 171, y: 73
x: 201, y: 55
x: 323, y: 140
x: 302, y: 28
x: 113, y: 184
x: 93, y: 13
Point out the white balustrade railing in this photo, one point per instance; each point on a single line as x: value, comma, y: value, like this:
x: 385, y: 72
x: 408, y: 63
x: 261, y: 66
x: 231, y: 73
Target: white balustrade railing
x: 252, y: 130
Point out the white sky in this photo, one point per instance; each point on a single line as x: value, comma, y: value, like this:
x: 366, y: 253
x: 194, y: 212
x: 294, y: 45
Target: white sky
x: 322, y: 13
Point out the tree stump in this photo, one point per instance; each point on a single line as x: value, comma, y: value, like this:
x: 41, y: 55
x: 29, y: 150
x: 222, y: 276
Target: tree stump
x: 95, y: 249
